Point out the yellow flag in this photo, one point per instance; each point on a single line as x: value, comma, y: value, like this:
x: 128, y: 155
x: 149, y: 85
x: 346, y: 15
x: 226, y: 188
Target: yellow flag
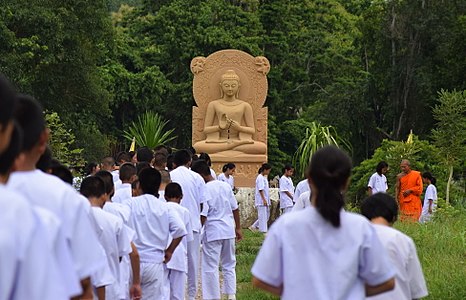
x: 132, y: 148
x: 410, y: 137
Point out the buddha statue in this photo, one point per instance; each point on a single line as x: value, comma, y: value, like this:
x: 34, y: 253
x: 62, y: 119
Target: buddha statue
x: 229, y: 122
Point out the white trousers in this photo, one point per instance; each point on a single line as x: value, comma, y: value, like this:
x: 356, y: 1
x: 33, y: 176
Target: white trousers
x: 152, y: 283
x: 213, y: 253
x: 193, y: 265
x: 263, y: 213
x: 175, y: 283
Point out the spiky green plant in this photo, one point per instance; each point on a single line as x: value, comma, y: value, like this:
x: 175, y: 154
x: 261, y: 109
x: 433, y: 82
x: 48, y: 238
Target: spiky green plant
x: 149, y: 130
x: 317, y: 136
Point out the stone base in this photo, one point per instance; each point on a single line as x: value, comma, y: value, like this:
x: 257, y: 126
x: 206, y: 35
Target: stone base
x: 247, y: 209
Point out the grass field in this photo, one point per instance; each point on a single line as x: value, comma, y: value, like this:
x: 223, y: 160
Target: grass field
x: 441, y: 247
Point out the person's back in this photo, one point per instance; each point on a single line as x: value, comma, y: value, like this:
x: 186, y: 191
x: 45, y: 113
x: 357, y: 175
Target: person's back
x: 301, y: 187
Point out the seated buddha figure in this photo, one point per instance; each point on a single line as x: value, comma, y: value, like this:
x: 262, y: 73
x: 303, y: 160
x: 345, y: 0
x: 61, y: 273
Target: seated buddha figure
x: 229, y: 122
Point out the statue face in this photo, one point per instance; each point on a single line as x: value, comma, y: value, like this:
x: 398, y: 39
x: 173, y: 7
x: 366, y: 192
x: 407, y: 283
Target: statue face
x: 230, y: 87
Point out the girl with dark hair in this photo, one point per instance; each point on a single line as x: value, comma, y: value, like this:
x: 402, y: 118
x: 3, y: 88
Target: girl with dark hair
x: 262, y: 199
x: 340, y: 256
x: 430, y: 197
x: 206, y: 157
x: 227, y: 175
x: 378, y: 181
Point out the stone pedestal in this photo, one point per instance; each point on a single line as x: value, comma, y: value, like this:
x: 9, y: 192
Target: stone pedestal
x: 247, y: 209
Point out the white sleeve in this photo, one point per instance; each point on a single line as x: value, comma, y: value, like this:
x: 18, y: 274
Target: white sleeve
x: 260, y: 185
x: 417, y: 282
x: 271, y: 251
x: 205, y: 209
x: 124, y: 237
x: 429, y: 193
x: 176, y: 225
x: 371, y: 182
x: 232, y: 199
x: 283, y: 184
x: 202, y: 190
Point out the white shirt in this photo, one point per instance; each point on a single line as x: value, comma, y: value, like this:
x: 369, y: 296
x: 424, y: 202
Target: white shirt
x: 430, y: 194
x: 378, y: 183
x: 218, y: 209
x: 314, y: 260
x: 212, y: 172
x: 193, y: 187
x: 303, y: 201
x: 409, y: 280
x: 28, y: 270
x: 179, y: 260
x: 230, y: 180
x: 286, y: 185
x: 123, y: 193
x: 262, y: 184
x: 116, y: 239
x: 301, y: 187
x: 153, y: 222
x: 120, y: 210
x: 72, y: 209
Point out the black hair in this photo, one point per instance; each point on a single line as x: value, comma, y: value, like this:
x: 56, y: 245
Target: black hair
x: 192, y: 150
x: 141, y: 166
x: 127, y: 170
x: 144, y: 154
x: 149, y: 181
x: 30, y: 117
x: 134, y: 184
x: 62, y: 172
x: 89, y: 168
x: 45, y: 161
x: 8, y: 101
x: 228, y: 166
x: 429, y: 176
x: 380, y: 166
x: 92, y: 186
x: 122, y: 157
x: 380, y: 205
x: 287, y: 168
x: 160, y: 159
x: 163, y: 149
x: 173, y: 190
x: 206, y: 157
x: 7, y: 158
x: 107, y: 177
x: 201, y: 167
x: 170, y: 162
x: 108, y: 161
x: 265, y: 166
x: 329, y: 171
x: 182, y: 157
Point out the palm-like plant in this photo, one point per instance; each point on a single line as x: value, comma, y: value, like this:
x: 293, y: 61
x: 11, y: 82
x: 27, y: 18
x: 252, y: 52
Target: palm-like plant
x: 317, y: 136
x: 149, y: 131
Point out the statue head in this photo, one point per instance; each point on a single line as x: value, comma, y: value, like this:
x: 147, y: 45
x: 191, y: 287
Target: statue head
x: 229, y: 84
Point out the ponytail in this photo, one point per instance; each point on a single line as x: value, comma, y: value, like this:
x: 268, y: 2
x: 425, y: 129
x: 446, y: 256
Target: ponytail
x: 429, y: 176
x: 329, y: 171
x: 264, y: 166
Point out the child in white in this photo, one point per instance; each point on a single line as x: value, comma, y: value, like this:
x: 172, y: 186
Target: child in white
x: 378, y: 181
x: 220, y: 216
x: 154, y: 223
x: 262, y: 199
x: 382, y: 210
x: 340, y: 256
x: 301, y: 187
x: 177, y: 267
x: 286, y: 189
x: 430, y: 197
x: 227, y: 175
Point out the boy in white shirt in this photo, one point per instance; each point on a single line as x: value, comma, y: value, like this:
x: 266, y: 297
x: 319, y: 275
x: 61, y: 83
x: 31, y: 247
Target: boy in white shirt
x: 154, y: 224
x: 378, y: 181
x: 177, y: 267
x: 301, y: 187
x: 382, y: 210
x: 286, y: 189
x: 113, y: 235
x: 262, y: 199
x: 220, y: 216
x: 127, y: 176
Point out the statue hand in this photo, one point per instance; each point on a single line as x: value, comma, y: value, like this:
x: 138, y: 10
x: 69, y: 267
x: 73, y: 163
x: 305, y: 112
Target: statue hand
x: 235, y: 125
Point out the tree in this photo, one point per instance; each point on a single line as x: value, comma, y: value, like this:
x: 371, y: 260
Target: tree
x: 450, y: 132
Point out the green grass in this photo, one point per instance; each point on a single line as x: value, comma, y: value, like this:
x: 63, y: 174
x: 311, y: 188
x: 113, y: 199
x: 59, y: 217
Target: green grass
x: 441, y: 247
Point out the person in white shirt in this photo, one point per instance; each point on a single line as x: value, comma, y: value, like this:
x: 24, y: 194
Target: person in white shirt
x: 49, y: 192
x: 220, y: 216
x: 301, y: 187
x: 382, y: 210
x: 113, y: 235
x: 303, y: 201
x: 323, y: 252
x: 286, y: 188
x: 430, y: 197
x: 262, y: 199
x: 227, y: 175
x: 177, y: 267
x: 127, y: 176
x: 193, y: 187
x: 206, y: 157
x: 378, y: 181
x: 155, y: 223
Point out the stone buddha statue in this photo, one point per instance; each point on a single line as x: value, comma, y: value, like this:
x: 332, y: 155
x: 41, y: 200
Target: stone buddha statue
x: 229, y: 122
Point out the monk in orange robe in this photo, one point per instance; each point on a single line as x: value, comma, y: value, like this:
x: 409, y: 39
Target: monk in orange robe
x: 409, y: 190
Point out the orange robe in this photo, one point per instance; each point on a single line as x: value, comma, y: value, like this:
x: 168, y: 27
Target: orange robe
x: 410, y: 206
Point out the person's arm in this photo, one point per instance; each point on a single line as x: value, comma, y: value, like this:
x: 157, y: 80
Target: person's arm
x: 264, y: 200
x: 380, y: 288
x: 289, y: 194
x: 87, y: 289
x: 203, y: 219
x: 277, y: 291
x: 169, y: 251
x: 239, y: 234
x: 398, y: 187
x: 417, y: 189
x: 135, y: 290
x: 430, y: 205
x: 100, y: 293
x: 209, y: 120
x: 369, y: 191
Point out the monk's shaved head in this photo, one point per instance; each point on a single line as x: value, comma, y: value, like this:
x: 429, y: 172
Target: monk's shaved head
x: 405, y: 162
x: 405, y: 166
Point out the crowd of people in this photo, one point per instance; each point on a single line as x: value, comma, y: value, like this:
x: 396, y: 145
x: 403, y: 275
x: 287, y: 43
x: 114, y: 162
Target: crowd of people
x: 143, y: 225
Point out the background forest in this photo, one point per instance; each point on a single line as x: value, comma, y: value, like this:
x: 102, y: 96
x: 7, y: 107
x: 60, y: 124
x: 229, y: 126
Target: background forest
x: 371, y: 69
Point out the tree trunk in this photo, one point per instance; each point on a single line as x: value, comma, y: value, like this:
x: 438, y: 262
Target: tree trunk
x: 450, y: 176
